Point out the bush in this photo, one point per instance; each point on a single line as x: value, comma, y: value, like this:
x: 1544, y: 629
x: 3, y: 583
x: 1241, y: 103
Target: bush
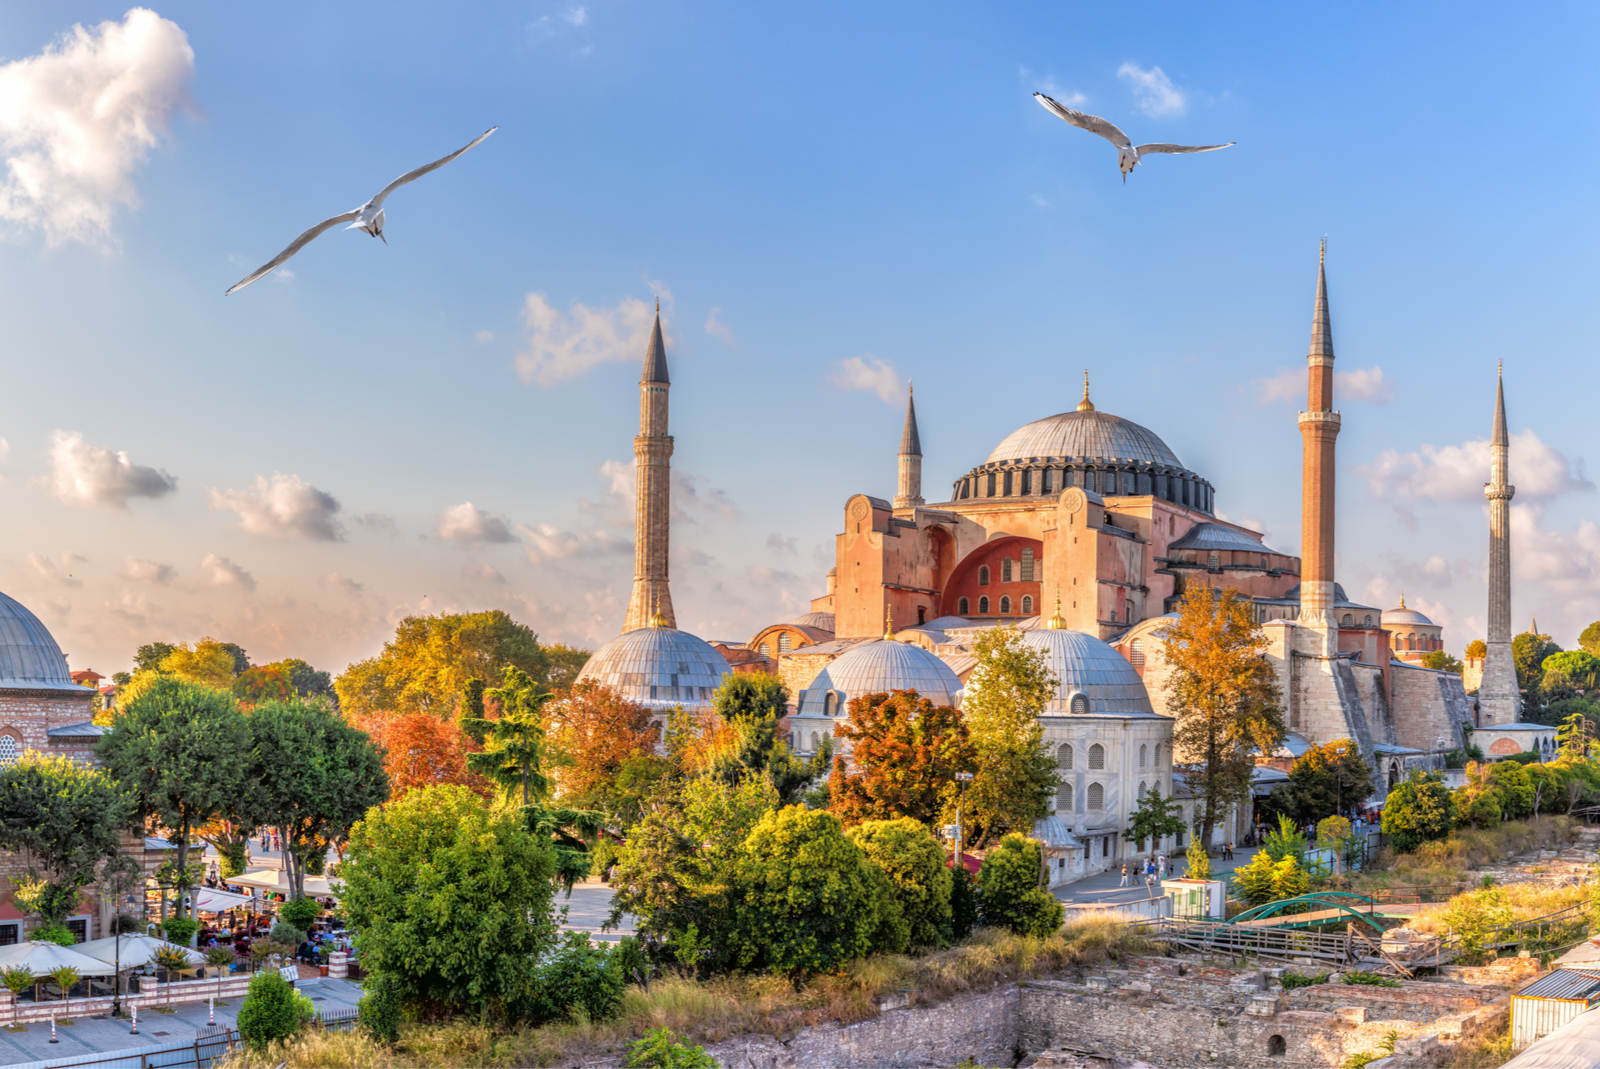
x: 300, y: 913
x: 919, y: 883
x: 272, y: 1010
x: 1292, y: 980
x: 220, y: 956
x: 660, y: 1049
x: 179, y: 930
x: 379, y: 1010
x: 964, y: 904
x: 59, y: 934
x: 1474, y: 915
x: 1008, y: 884
x: 1368, y: 979
x: 1417, y: 811
x: 1265, y: 880
x: 288, y: 935
x: 579, y: 979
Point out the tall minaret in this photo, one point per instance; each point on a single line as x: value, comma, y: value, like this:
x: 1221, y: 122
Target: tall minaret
x: 909, y: 494
x: 652, y: 503
x: 1319, y: 427
x: 1499, y: 700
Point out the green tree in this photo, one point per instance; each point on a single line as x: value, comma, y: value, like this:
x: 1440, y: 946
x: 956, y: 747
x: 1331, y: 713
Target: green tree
x: 1009, y: 884
x: 565, y: 664
x: 452, y: 900
x: 182, y: 749
x: 1575, y: 737
x: 1225, y: 696
x: 1154, y: 819
x: 806, y: 896
x: 1328, y: 778
x: 1576, y: 668
x: 1476, y: 650
x: 1266, y: 879
x: 1199, y: 860
x: 430, y: 659
x: 208, y: 663
x: 1440, y: 661
x: 918, y: 880
x: 1590, y: 638
x: 1474, y: 916
x: 1515, y: 786
x: 513, y: 752
x: 273, y: 1010
x: 315, y: 777
x: 1419, y: 810
x: 150, y: 655
x: 753, y: 705
x: 1529, y: 652
x: 308, y: 682
x: 1005, y: 694
x: 905, y: 753
x: 65, y: 819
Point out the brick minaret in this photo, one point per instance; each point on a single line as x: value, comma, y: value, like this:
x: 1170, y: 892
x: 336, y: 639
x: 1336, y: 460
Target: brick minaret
x: 1498, y: 695
x: 909, y: 492
x: 652, y: 506
x: 1319, y: 427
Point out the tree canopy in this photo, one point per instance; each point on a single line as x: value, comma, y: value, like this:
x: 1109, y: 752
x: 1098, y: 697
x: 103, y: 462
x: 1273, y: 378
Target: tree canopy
x: 751, y: 706
x: 65, y: 819
x: 603, y: 751
x: 513, y: 754
x: 905, y: 753
x: 1477, y: 649
x: 1154, y: 819
x: 1589, y: 639
x: 1015, y: 777
x: 1327, y: 778
x: 1418, y: 810
x: 430, y: 660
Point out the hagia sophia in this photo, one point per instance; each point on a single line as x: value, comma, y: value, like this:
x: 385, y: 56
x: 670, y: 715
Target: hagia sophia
x: 1084, y: 530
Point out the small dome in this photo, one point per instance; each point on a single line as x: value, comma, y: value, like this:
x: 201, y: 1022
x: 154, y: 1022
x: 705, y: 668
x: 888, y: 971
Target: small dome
x: 822, y: 621
x: 658, y: 667
x: 945, y: 623
x: 1405, y: 616
x: 1099, y: 435
x: 29, y: 656
x: 1085, y: 665
x: 881, y: 666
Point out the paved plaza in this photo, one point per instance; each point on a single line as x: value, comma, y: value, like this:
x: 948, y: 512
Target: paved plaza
x: 1106, y: 888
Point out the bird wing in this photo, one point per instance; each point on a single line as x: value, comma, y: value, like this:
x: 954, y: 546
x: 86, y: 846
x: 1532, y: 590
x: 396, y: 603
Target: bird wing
x: 1092, y: 123
x: 412, y: 176
x: 294, y: 246
x: 1142, y: 149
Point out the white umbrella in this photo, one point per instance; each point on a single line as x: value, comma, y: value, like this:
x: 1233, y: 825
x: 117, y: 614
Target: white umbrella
x: 212, y: 900
x: 137, y: 950
x: 42, y: 959
x: 277, y: 880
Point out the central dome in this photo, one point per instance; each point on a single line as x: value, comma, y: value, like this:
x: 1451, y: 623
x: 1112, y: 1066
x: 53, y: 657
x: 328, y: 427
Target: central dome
x: 1099, y: 435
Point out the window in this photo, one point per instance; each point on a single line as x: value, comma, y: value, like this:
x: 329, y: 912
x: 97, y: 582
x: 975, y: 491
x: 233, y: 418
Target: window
x: 963, y: 606
x: 922, y: 615
x: 1143, y: 787
x: 1158, y: 755
x: 983, y: 575
x: 966, y: 489
x: 1136, y: 651
x: 983, y: 606
x: 784, y: 643
x: 830, y: 704
x: 1044, y: 481
x: 79, y: 927
x: 1027, y: 564
x: 1348, y: 621
x: 1097, y: 756
x: 1064, y: 798
x: 8, y: 750
x: 764, y: 649
x: 1064, y: 756
x: 1008, y: 484
x: 1211, y: 560
x: 1127, y: 611
x: 1027, y: 483
x: 1005, y: 570
x: 1005, y: 605
x: 1410, y: 645
x: 1113, y: 615
x: 1105, y: 844
x: 991, y: 485
x: 1368, y: 622
x: 1027, y: 605
x: 1080, y: 706
x: 8, y: 935
x: 1097, y: 797
x: 1144, y: 754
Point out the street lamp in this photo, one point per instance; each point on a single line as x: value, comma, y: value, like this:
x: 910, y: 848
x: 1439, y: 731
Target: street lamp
x: 963, y: 778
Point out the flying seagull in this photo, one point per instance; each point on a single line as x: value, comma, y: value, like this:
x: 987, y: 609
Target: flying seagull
x: 368, y: 217
x: 1127, y: 152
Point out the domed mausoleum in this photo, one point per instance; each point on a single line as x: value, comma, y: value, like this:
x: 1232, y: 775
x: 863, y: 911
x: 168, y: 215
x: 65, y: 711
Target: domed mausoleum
x: 869, y: 668
x: 658, y: 667
x: 41, y: 708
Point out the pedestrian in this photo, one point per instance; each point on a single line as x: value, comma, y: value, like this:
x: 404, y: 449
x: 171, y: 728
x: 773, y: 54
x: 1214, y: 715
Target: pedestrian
x: 1124, y: 874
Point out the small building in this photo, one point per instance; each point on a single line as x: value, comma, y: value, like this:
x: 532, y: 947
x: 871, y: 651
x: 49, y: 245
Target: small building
x: 1505, y: 740
x: 1412, y: 636
x: 1550, y: 1002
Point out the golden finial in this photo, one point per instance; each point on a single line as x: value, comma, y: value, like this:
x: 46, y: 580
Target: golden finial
x: 1500, y: 368
x: 1056, y: 623
x: 1085, y: 405
x: 658, y: 618
x: 1402, y: 599
x: 888, y: 625
x: 1322, y: 253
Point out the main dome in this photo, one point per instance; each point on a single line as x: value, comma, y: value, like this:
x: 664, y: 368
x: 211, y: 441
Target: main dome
x: 1091, y: 434
x: 658, y: 667
x: 29, y: 656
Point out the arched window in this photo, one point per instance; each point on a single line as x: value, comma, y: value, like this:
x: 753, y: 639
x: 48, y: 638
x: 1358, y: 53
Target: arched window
x: 1136, y: 651
x: 1027, y: 564
x: 784, y: 643
x: 816, y: 741
x: 983, y: 606
x: 1027, y: 605
x: 8, y: 750
x: 1348, y: 621
x: 922, y: 615
x: 1211, y: 560
x: 766, y: 650
x: 1411, y: 642
x: 1127, y: 611
x: 830, y: 704
x: 1097, y: 756
x: 1158, y: 755
x: 1005, y: 605
x: 963, y: 606
x: 991, y: 485
x: 1143, y: 787
x: 1008, y: 484
x: 1064, y: 798
x: 1368, y: 621
x: 1080, y: 705
x: 1144, y: 755
x: 1005, y: 570
x: 1277, y: 1046
x: 983, y: 575
x: 1064, y: 756
x: 1097, y: 797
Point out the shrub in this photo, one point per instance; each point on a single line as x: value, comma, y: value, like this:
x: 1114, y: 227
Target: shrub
x: 1368, y: 979
x: 300, y: 912
x: 1008, y: 884
x: 1292, y: 980
x: 179, y: 930
x: 272, y: 1010
x: 1265, y: 880
x: 1199, y: 860
x: 1474, y: 915
x: 288, y: 935
x: 964, y: 904
x: 59, y: 934
x: 379, y: 1010
x: 579, y: 978
x: 1417, y: 811
x: 660, y: 1049
x: 170, y: 959
x: 17, y: 980
x: 919, y: 883
x: 220, y: 956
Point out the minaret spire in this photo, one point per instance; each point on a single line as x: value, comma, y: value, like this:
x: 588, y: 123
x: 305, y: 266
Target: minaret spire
x: 650, y: 604
x: 1319, y: 428
x: 1499, y: 698
x: 908, y: 492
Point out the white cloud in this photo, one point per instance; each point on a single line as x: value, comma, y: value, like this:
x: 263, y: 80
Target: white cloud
x: 78, y: 119
x: 283, y: 274
x: 377, y: 521
x: 1458, y: 472
x: 283, y: 507
x: 223, y: 572
x: 48, y: 569
x: 691, y: 493
x: 566, y: 345
x: 1153, y: 91
x: 547, y: 543
x: 779, y: 544
x: 84, y: 474
x: 342, y: 583
x: 576, y: 16
x: 619, y: 476
x: 1363, y: 384
x: 484, y: 337
x: 147, y: 571
x: 868, y: 373
x: 483, y: 573
x: 718, y: 329
x: 1287, y: 385
x: 468, y: 523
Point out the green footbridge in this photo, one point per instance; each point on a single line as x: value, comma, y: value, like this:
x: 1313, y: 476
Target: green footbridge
x: 1321, y: 907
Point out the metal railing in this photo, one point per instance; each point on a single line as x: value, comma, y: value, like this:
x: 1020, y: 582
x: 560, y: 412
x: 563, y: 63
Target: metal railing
x: 210, y: 1045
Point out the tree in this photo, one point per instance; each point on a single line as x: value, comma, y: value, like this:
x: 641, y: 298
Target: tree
x: 1015, y: 778
x: 1590, y: 638
x: 420, y: 750
x: 751, y: 706
x: 1575, y: 737
x: 263, y: 683
x: 565, y: 664
x: 1009, y: 884
x: 603, y: 750
x: 1576, y: 668
x: 1418, y: 810
x: 904, y: 757
x: 1199, y: 860
x: 917, y: 879
x: 65, y: 819
x: 1440, y: 661
x: 1476, y: 650
x: 1511, y: 779
x: 308, y: 682
x: 1266, y: 879
x: 513, y: 743
x: 1226, y: 698
x: 1154, y: 819
x: 425, y: 667
x: 1529, y: 652
x: 452, y: 899
x: 806, y: 896
x: 316, y: 776
x: 1329, y: 777
x: 208, y: 662
x: 273, y: 1010
x: 183, y: 751
x: 148, y: 658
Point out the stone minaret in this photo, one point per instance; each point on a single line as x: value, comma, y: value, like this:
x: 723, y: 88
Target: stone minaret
x: 1319, y: 427
x: 1498, y: 696
x: 652, y: 505
x: 909, y: 494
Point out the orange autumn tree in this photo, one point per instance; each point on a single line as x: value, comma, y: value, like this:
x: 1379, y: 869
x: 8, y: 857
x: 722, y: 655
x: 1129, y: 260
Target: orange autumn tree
x: 422, y: 750
x: 603, y: 751
x: 904, y: 755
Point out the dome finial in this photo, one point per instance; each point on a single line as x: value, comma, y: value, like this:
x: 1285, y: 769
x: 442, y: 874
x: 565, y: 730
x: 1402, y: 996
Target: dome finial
x: 1085, y: 405
x: 888, y: 625
x: 658, y: 618
x: 1056, y: 623
x: 1402, y: 599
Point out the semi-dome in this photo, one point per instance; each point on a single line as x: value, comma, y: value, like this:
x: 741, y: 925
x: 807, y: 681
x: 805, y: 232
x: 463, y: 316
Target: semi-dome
x: 822, y: 621
x: 1088, y: 670
x: 29, y: 656
x: 658, y: 667
x: 881, y: 666
x: 1090, y: 434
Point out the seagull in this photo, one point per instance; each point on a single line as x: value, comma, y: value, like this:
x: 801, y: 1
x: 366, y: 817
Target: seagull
x: 1128, y: 154
x: 368, y: 217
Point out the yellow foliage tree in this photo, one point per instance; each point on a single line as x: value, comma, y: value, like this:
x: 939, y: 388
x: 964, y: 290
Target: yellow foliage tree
x: 428, y: 663
x: 208, y: 662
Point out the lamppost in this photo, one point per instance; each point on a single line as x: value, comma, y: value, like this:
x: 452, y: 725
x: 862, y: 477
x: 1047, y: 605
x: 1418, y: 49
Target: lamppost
x: 963, y: 778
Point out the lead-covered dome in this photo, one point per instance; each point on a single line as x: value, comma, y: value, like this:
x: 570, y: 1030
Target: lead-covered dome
x: 822, y: 621
x: 878, y: 667
x: 1089, y: 670
x: 658, y: 667
x: 29, y: 656
x: 1089, y: 434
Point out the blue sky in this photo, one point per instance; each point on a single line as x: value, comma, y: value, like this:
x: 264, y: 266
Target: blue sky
x: 829, y: 200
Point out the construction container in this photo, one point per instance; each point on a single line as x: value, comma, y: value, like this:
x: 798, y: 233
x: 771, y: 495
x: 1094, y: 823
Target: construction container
x: 1550, y: 1002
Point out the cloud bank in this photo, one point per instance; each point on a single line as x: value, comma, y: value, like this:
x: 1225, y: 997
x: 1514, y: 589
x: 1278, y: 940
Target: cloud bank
x: 1459, y: 472
x: 84, y: 474
x: 468, y: 523
x: 564, y: 345
x: 220, y: 571
x: 283, y: 507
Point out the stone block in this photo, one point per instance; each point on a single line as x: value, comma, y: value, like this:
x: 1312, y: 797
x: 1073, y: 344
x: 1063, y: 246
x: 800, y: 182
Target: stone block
x: 1350, y: 1016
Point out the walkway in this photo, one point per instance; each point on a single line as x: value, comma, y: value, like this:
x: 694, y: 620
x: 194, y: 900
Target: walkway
x: 588, y: 909
x: 1106, y: 889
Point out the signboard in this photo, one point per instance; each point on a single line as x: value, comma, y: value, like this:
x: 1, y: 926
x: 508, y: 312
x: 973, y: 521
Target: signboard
x: 290, y: 973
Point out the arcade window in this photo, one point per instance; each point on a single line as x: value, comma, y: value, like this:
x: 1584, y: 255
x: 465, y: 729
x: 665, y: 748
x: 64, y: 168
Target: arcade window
x: 1005, y: 605
x: 983, y: 575
x: 983, y: 606
x: 963, y: 606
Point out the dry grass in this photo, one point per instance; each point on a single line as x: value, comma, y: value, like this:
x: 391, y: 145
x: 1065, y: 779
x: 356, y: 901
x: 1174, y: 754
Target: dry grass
x: 1486, y: 1052
x: 1527, y: 901
x: 1446, y: 864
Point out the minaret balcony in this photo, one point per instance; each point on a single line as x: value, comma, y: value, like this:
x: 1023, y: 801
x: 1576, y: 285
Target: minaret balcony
x: 1320, y: 417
